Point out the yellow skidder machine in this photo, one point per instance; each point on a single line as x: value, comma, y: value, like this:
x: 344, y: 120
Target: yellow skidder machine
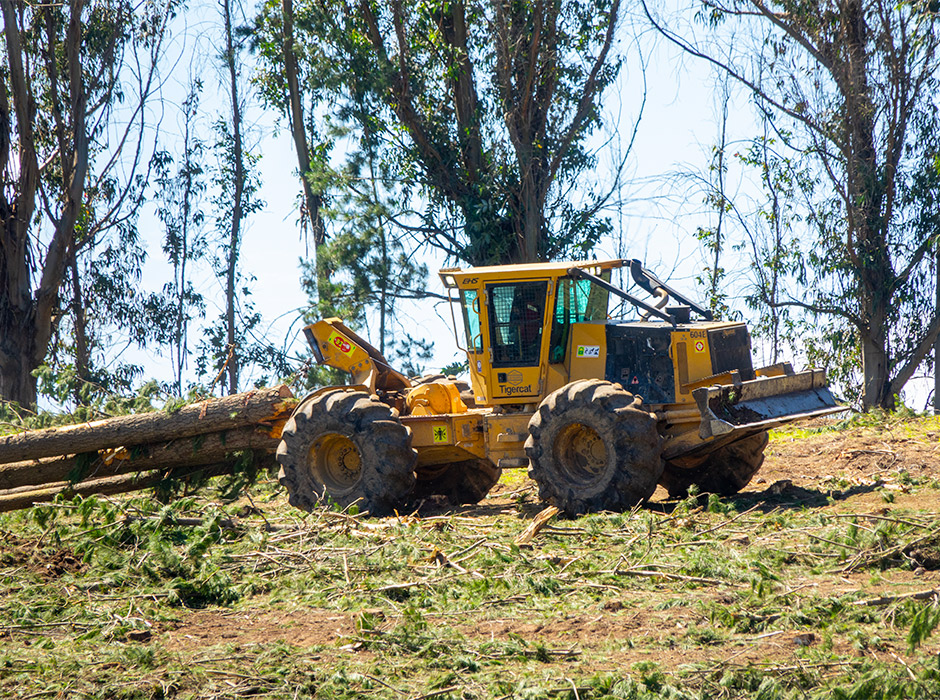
x: 600, y: 410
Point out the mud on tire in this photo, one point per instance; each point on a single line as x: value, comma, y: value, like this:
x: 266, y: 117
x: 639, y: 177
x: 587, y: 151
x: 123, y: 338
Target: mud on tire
x: 463, y: 483
x: 724, y: 472
x: 593, y: 446
x: 349, y: 448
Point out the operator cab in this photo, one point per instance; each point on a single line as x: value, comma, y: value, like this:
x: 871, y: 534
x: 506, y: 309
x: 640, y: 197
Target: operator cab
x: 532, y: 329
x: 518, y: 321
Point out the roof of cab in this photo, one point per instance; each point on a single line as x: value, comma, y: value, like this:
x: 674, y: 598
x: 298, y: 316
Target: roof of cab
x: 521, y: 271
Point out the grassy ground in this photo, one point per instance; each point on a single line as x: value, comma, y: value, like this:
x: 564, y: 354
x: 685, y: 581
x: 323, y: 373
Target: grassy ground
x: 819, y: 581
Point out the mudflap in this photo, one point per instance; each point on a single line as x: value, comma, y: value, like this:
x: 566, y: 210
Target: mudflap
x: 733, y: 411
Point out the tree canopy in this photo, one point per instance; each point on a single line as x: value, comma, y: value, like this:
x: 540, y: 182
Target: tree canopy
x: 484, y: 110
x: 64, y: 185
x: 468, y: 130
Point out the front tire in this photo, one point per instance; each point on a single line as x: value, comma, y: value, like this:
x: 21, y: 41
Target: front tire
x: 593, y: 446
x: 724, y: 472
x: 346, y: 447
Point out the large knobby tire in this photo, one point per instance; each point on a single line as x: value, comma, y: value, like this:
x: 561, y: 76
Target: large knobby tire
x: 593, y: 446
x: 724, y: 472
x: 463, y: 483
x: 346, y: 447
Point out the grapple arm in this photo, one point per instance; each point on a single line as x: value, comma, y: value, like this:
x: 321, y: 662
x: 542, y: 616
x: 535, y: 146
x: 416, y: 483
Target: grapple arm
x: 651, y: 283
x: 335, y: 345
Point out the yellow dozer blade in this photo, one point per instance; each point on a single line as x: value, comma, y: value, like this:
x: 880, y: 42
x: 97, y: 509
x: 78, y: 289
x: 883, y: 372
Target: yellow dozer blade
x: 744, y: 408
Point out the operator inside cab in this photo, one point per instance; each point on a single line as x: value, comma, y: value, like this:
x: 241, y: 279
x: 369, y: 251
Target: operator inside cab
x: 516, y: 313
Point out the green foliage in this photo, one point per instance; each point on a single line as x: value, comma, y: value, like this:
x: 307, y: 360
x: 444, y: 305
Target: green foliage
x: 479, y: 120
x: 80, y: 76
x: 235, y: 344
x: 96, y: 402
x: 201, y: 599
x: 427, y: 161
x: 179, y: 193
x: 456, y: 368
x: 371, y: 268
x: 924, y: 622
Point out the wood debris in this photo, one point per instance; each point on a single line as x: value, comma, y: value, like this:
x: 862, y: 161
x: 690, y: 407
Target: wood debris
x: 539, y: 522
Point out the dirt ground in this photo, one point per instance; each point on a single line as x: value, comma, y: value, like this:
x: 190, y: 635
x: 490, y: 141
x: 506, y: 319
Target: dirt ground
x: 842, y: 472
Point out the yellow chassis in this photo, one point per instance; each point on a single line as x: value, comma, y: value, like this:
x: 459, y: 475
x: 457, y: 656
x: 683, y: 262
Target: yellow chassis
x: 722, y: 413
x: 713, y: 411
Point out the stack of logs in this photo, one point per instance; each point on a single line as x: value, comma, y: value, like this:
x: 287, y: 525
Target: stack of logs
x: 127, y: 453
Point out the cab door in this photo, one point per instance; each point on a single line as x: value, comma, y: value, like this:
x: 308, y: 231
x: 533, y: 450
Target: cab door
x: 516, y: 321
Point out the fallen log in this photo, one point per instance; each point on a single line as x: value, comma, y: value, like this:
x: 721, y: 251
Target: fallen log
x: 271, y: 406
x: 188, y: 451
x: 109, y: 486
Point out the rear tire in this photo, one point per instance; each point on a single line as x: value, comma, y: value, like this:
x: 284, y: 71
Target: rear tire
x: 724, y: 472
x: 593, y: 446
x: 463, y: 483
x: 346, y: 447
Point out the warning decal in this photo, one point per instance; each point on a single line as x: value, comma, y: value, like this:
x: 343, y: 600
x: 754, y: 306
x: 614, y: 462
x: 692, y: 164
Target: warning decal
x: 341, y: 344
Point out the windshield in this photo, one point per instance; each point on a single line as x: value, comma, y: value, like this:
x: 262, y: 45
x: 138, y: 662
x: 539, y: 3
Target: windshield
x: 578, y: 301
x: 517, y: 313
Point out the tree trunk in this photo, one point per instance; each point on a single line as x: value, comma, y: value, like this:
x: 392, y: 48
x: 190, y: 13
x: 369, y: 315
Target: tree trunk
x: 866, y: 224
x: 213, y: 415
x: 876, y: 389
x: 532, y: 212
x: 179, y: 452
x: 179, y: 347
x: 17, y: 327
x: 17, y: 353
x: 82, y: 360
x: 454, y: 28
x: 936, y: 344
x: 16, y: 380
x: 312, y: 200
x: 125, y: 483
x: 238, y: 193
x: 936, y: 377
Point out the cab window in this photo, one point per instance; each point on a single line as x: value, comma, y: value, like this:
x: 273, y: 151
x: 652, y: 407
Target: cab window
x: 471, y: 320
x: 517, y: 313
x: 577, y: 301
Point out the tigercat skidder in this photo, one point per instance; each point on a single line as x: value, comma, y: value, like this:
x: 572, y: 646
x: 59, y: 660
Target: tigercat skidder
x: 600, y: 410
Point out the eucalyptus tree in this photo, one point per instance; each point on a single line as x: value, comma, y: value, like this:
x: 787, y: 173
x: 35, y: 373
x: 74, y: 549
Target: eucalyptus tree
x: 849, y: 88
x: 73, y: 84
x: 237, y: 188
x: 376, y: 268
x: 180, y: 190
x: 482, y: 111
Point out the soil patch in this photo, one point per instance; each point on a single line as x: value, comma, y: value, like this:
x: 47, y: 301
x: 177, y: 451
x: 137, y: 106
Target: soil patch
x: 861, y: 471
x: 43, y: 561
x: 301, y: 628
